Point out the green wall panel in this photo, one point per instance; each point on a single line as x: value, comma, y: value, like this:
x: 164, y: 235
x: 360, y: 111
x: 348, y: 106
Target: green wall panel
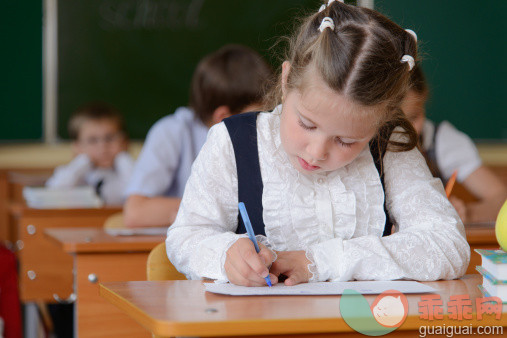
x: 21, y: 62
x: 464, y: 51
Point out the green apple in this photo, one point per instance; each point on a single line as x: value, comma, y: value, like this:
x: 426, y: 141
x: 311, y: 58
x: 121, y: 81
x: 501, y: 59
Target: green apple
x: 501, y: 227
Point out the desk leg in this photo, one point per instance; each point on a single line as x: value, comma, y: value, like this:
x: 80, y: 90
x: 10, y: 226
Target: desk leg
x: 74, y: 287
x: 32, y: 325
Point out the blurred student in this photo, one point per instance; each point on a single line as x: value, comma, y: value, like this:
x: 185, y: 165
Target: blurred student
x: 226, y: 82
x: 99, y: 142
x: 447, y: 149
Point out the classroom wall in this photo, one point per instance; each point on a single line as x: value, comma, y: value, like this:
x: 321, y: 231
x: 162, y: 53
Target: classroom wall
x: 115, y: 50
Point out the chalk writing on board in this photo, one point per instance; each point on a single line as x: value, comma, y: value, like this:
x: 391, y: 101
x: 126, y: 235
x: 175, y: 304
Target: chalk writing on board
x: 150, y: 14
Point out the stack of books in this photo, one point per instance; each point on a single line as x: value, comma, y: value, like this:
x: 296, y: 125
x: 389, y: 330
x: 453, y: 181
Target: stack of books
x: 494, y: 273
x: 50, y: 198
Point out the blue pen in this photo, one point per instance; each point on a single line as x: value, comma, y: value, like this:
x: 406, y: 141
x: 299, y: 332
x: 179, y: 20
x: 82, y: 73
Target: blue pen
x: 250, y: 232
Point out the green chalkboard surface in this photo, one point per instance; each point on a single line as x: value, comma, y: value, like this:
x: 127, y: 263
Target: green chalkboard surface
x: 21, y: 81
x: 464, y: 49
x: 139, y: 55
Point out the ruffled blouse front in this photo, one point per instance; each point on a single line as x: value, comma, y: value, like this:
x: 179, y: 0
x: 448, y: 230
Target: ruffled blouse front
x: 336, y: 217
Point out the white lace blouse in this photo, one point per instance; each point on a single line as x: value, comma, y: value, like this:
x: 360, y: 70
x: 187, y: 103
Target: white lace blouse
x: 336, y: 217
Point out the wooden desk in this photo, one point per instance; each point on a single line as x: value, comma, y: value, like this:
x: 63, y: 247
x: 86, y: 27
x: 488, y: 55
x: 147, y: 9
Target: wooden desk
x: 99, y: 257
x: 44, y: 269
x: 479, y: 236
x: 12, y: 181
x: 183, y: 308
x: 53, y: 268
x: 33, y: 159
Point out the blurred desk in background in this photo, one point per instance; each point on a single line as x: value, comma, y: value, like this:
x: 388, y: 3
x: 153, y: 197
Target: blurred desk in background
x: 99, y: 257
x: 45, y: 270
x: 30, y: 164
x: 12, y: 182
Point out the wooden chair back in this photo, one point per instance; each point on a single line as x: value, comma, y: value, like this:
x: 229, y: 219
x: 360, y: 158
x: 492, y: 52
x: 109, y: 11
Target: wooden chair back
x: 159, y: 267
x: 115, y: 221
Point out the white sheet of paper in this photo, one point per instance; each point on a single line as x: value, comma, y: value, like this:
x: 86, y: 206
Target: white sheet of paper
x: 62, y: 198
x: 146, y: 231
x: 321, y: 288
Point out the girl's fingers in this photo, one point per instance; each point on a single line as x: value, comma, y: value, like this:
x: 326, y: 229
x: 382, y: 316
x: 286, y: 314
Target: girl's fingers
x: 233, y: 275
x: 249, y: 264
x: 273, y: 278
x: 246, y: 260
x: 294, y: 265
x: 294, y: 279
x: 267, y: 255
x: 282, y: 265
x: 239, y: 258
x: 255, y: 262
x: 276, y: 268
x: 246, y: 272
x: 291, y: 281
x: 238, y: 278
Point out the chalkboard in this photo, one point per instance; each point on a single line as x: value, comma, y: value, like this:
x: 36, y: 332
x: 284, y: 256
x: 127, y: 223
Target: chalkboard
x: 21, y: 82
x: 139, y: 55
x: 464, y: 49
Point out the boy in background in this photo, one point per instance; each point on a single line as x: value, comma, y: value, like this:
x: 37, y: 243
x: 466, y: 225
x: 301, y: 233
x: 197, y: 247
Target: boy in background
x: 100, y: 144
x: 226, y: 82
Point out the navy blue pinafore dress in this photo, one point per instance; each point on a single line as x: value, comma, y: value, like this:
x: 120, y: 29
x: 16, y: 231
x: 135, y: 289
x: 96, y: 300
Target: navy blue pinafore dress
x: 242, y: 129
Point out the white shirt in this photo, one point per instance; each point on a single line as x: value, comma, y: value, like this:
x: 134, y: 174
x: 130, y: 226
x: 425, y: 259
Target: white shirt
x: 454, y: 150
x: 80, y: 171
x: 336, y: 217
x: 164, y: 164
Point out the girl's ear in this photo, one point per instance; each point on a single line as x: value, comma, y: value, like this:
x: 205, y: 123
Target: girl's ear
x: 219, y: 114
x: 285, y: 76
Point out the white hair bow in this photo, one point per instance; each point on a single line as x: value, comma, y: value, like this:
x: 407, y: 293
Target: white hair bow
x: 327, y: 22
x: 408, y: 59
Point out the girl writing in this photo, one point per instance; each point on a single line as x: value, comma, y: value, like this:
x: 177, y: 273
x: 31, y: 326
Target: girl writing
x: 328, y: 192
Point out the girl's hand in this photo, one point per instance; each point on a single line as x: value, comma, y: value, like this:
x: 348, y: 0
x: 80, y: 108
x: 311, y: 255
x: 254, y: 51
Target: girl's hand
x: 246, y: 267
x: 292, y: 264
x: 460, y: 207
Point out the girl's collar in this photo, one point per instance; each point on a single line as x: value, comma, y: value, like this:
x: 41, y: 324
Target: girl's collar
x: 277, y: 140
